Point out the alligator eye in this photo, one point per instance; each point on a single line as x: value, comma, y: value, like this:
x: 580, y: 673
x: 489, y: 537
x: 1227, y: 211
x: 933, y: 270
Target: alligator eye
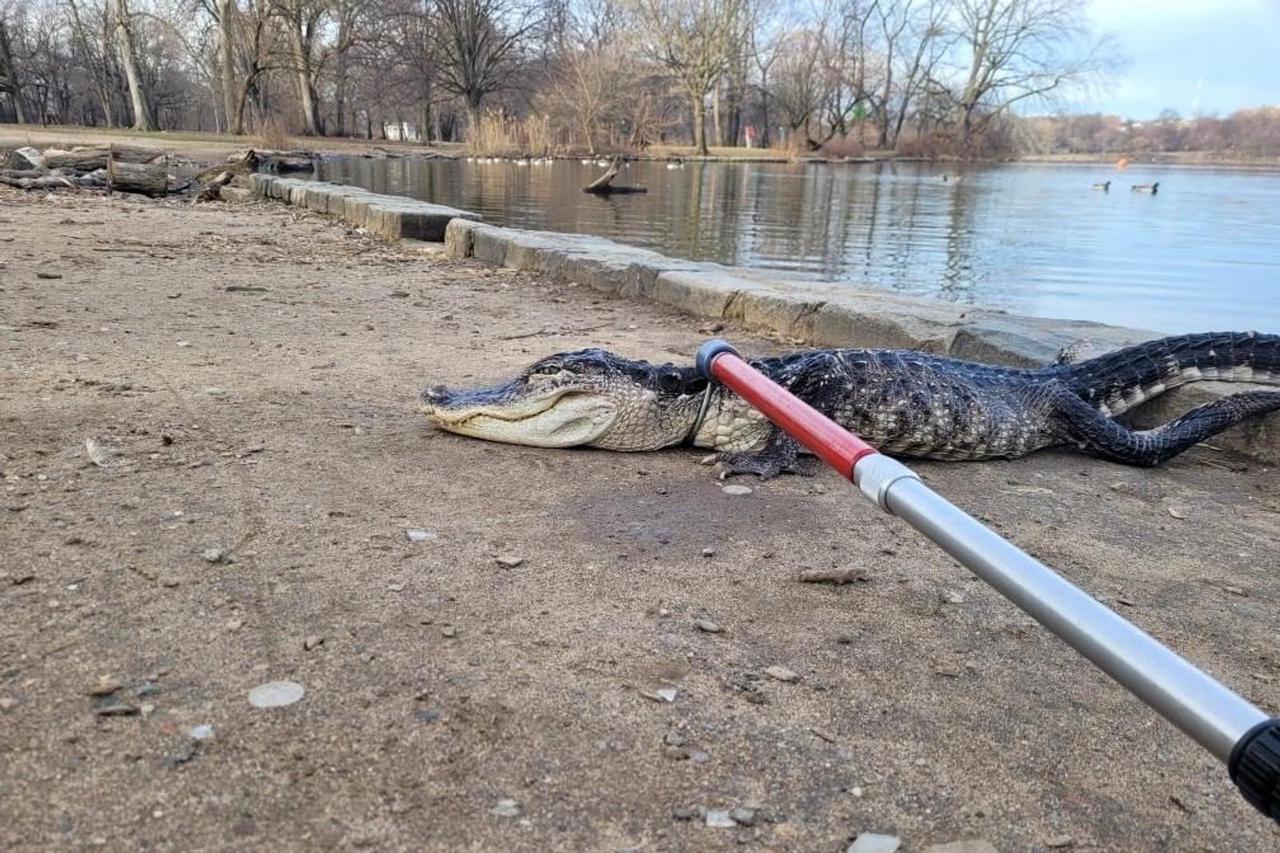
x: 546, y: 370
x: 670, y: 382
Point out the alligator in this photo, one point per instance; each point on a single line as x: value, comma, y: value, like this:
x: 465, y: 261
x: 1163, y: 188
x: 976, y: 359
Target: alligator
x: 907, y: 403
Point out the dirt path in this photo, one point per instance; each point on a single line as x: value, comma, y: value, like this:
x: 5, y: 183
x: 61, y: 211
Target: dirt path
x: 247, y: 376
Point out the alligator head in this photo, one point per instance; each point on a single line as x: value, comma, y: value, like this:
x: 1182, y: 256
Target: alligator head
x: 588, y: 397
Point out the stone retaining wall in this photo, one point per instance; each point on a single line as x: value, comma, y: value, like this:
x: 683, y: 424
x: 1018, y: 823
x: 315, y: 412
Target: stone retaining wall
x: 818, y: 313
x: 389, y: 216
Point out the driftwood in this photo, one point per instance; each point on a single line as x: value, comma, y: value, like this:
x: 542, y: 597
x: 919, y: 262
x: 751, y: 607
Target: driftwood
x: 143, y: 178
x: 89, y: 159
x: 291, y: 164
x: 46, y: 182
x: 23, y: 158
x: 213, y: 189
x: 603, y: 185
x: 244, y: 165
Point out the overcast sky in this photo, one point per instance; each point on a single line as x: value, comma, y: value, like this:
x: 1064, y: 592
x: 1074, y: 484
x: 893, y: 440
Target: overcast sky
x: 1193, y: 56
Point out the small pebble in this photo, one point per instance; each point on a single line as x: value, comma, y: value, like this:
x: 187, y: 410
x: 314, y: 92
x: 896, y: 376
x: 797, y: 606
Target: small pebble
x: 204, y: 731
x: 683, y: 813
x: 874, y: 842
x: 105, y: 687
x: 112, y: 707
x: 662, y: 694
x: 736, y: 489
x: 1057, y: 841
x: 781, y: 673
x: 8, y: 703
x: 745, y: 817
x: 311, y: 642
x: 449, y: 632
x: 708, y: 552
x: 419, y: 535
x: 276, y: 694
x: 506, y: 808
x: 235, y: 624
x: 395, y: 587
x: 213, y: 555
x: 720, y: 819
x: 674, y: 738
x: 509, y: 561
x: 708, y: 626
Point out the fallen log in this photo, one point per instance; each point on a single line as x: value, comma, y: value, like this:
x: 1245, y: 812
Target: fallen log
x: 23, y: 158
x: 213, y: 189
x: 244, y: 165
x: 603, y: 185
x: 48, y: 182
x: 151, y: 179
x: 87, y: 159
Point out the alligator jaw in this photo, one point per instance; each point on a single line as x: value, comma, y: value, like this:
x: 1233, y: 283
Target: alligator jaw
x: 560, y: 418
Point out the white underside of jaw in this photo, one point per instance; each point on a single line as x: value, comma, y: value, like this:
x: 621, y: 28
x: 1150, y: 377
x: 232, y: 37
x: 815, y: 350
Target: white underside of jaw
x: 568, y: 420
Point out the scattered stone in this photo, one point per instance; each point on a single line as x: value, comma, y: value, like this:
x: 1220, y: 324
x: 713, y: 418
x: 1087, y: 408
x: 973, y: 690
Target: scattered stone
x: 8, y: 703
x: 744, y: 817
x: 276, y: 694
x: 708, y: 552
x: 736, y: 489
x: 184, y: 344
x: 506, y: 808
x: 781, y: 673
x: 951, y: 596
x: 184, y: 754
x: 683, y: 813
x: 674, y: 738
x: 720, y: 819
x: 707, y: 626
x: 204, y: 731
x: 213, y: 555
x: 395, y: 587
x: 312, y: 642
x: 419, y: 535
x: 1059, y: 841
x: 662, y: 694
x: 508, y: 561
x: 147, y: 709
x: 235, y: 624
x: 110, y: 706
x: 823, y: 734
x: 856, y: 792
x: 1177, y: 513
x: 48, y: 276
x: 833, y: 576
x: 170, y: 581
x: 105, y: 687
x: 145, y: 689
x: 427, y: 715
x: 874, y: 842
x: 448, y: 632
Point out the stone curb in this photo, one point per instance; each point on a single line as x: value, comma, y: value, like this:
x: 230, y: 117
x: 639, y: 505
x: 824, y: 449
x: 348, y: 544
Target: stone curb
x: 817, y: 313
x: 387, y: 216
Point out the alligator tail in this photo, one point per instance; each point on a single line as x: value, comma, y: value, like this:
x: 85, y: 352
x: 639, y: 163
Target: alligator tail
x: 1120, y: 380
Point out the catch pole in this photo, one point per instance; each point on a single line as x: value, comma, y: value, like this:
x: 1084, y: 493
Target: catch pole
x: 1231, y: 728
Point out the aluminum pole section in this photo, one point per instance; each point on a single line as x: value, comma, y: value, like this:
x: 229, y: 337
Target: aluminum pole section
x: 1232, y: 729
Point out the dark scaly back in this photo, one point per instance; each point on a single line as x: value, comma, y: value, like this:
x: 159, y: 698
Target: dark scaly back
x: 1120, y: 380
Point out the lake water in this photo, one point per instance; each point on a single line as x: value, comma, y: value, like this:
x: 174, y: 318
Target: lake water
x: 1203, y: 254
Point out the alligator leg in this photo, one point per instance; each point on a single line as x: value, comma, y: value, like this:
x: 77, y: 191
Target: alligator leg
x: 780, y: 455
x: 1089, y: 429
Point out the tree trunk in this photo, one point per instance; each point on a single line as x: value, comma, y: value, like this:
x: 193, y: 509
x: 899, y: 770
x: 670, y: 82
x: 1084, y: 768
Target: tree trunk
x: 305, y: 75
x: 90, y: 158
x: 716, y: 124
x: 143, y: 113
x: 12, y: 86
x: 700, y: 125
x: 231, y: 106
x: 151, y: 179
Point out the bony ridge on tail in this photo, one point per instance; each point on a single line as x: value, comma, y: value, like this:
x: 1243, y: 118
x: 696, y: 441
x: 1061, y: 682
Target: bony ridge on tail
x: 907, y: 403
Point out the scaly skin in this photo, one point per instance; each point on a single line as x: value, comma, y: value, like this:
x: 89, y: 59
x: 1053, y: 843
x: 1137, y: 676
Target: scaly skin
x: 906, y: 403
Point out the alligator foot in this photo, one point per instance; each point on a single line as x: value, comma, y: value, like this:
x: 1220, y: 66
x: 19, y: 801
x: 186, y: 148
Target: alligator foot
x: 779, y: 456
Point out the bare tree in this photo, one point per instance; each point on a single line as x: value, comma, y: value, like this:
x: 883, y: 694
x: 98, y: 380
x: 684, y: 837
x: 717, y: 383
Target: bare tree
x: 144, y: 116
x: 694, y: 40
x: 1016, y: 50
x: 479, y: 44
x: 10, y: 81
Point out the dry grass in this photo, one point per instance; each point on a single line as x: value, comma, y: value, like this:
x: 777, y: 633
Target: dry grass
x: 497, y: 136
x: 273, y: 135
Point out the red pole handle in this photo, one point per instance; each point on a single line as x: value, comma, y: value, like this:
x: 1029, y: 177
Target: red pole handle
x: 827, y: 440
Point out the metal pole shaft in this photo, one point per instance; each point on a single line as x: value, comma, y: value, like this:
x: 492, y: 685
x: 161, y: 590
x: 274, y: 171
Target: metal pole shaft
x: 1208, y: 712
x: 1224, y: 723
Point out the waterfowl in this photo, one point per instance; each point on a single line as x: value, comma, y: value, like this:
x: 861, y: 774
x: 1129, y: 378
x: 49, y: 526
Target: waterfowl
x: 675, y: 164
x: 1105, y: 186
x: 1146, y: 188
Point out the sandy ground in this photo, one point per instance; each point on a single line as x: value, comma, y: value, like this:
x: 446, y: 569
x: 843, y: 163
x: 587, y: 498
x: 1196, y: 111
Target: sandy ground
x: 247, y: 375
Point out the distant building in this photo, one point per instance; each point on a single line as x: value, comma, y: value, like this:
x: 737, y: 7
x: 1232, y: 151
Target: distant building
x: 400, y: 131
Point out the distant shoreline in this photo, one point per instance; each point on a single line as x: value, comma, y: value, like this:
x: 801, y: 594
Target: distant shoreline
x: 212, y: 148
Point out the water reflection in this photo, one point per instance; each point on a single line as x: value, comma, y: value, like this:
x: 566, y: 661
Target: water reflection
x: 1033, y: 239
